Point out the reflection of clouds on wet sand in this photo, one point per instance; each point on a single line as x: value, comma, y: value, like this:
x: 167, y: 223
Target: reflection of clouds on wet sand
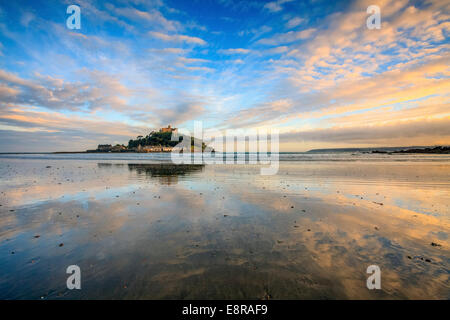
x: 225, y: 231
x: 29, y: 183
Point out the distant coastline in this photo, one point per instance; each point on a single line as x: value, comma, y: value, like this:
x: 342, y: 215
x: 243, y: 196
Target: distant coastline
x: 389, y: 150
x: 434, y: 150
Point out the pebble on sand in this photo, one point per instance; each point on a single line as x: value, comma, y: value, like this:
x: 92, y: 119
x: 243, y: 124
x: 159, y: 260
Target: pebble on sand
x: 434, y: 244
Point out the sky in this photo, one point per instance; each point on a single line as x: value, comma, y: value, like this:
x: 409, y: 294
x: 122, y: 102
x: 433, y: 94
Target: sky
x: 311, y: 69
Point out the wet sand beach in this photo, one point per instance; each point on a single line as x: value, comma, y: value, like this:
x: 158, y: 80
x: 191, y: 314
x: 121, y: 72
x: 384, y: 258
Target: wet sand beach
x: 145, y: 230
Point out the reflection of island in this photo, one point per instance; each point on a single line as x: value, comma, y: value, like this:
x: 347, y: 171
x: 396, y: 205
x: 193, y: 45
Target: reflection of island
x: 167, y: 173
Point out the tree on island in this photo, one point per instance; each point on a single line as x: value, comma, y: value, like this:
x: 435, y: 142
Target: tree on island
x: 163, y: 139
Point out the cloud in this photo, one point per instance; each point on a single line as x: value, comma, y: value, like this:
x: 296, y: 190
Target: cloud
x: 60, y: 132
x: 347, y: 68
x: 185, y: 109
x: 402, y: 133
x: 276, y: 6
x: 238, y: 5
x: 181, y: 113
x: 288, y: 37
x: 177, y: 38
x: 416, y: 95
x: 192, y: 60
x: 294, y: 22
x: 261, y: 114
x: 102, y: 91
x: 234, y: 51
x: 277, y: 50
x: 206, y: 69
x: 153, y: 17
x: 255, y: 32
x: 100, y: 16
x: 26, y: 18
x: 345, y: 49
x: 169, y: 51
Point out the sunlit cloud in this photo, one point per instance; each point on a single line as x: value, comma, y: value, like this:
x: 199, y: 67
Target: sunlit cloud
x: 294, y: 22
x: 234, y: 51
x: 177, y: 38
x: 276, y: 6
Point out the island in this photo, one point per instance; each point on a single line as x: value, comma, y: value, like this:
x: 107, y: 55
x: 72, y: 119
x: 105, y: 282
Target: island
x: 156, y: 141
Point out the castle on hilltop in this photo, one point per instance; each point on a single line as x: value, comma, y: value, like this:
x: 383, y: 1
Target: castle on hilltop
x: 168, y: 129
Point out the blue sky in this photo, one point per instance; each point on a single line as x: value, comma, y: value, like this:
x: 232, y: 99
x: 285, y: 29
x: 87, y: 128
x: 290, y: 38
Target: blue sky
x: 312, y: 69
